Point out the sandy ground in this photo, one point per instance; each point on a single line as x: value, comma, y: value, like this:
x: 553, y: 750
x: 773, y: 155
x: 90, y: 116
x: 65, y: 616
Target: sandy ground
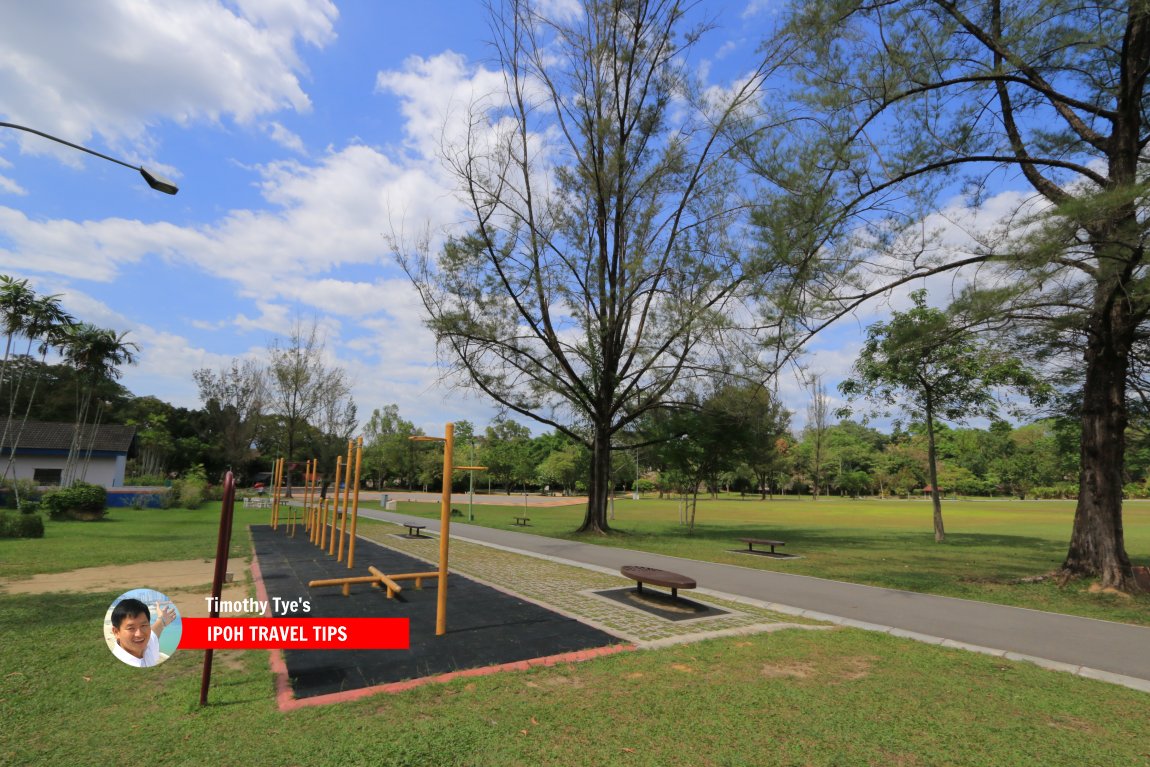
x: 186, y: 582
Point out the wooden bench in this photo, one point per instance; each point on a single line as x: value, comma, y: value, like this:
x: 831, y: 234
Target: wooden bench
x: 521, y: 521
x: 762, y: 542
x: 656, y: 577
x: 413, y: 530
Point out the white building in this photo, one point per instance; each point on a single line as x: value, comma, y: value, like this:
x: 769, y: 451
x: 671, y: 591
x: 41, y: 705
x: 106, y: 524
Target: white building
x: 42, y: 452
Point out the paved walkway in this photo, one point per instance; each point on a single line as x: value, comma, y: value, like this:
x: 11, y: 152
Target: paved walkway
x: 1113, y: 652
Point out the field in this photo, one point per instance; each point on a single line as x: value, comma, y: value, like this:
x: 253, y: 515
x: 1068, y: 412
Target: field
x: 791, y: 698
x: 990, y: 547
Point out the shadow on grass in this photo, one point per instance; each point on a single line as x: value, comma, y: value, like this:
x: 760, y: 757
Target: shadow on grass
x: 825, y: 539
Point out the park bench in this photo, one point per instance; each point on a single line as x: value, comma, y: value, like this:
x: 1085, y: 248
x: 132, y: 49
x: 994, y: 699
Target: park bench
x: 521, y: 521
x: 657, y: 577
x: 413, y: 531
x: 762, y: 542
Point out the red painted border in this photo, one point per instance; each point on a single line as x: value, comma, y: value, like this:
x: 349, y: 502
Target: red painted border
x: 286, y: 702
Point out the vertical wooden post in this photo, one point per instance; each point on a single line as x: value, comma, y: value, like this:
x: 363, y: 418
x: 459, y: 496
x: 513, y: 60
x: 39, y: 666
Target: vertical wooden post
x: 325, y: 527
x: 277, y: 475
x: 346, y: 500
x: 306, y: 495
x: 354, y: 505
x: 335, y: 507
x: 444, y: 530
x: 223, y: 544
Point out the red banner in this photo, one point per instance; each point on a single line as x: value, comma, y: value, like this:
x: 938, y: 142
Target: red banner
x: 295, y: 634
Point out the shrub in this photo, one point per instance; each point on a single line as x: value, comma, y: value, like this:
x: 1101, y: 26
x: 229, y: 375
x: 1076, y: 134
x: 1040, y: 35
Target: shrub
x: 21, y: 525
x: 147, y: 480
x: 22, y: 489
x: 190, y: 490
x: 80, y: 501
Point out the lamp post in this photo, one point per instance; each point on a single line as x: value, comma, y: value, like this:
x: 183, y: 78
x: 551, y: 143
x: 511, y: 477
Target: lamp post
x: 636, y: 494
x: 155, y: 180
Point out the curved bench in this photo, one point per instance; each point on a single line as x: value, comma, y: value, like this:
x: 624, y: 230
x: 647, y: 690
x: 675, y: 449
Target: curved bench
x: 657, y: 577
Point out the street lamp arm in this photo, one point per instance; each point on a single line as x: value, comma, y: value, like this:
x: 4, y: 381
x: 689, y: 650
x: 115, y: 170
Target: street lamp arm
x: 156, y: 181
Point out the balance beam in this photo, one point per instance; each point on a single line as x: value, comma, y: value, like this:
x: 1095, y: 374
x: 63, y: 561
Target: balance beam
x: 375, y: 579
x: 392, y: 586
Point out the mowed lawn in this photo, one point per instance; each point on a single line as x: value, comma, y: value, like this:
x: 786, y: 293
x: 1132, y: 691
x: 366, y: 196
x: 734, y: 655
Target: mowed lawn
x: 991, y: 546
x: 838, y: 697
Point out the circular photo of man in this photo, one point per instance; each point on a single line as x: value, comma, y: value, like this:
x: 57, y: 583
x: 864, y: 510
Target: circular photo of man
x: 142, y: 627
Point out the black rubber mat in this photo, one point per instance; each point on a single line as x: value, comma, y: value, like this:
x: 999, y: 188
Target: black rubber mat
x: 485, y: 627
x: 660, y: 603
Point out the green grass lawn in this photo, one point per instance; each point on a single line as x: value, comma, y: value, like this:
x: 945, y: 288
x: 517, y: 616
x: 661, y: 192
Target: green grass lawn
x: 841, y: 697
x: 790, y: 698
x: 126, y: 536
x: 990, y: 545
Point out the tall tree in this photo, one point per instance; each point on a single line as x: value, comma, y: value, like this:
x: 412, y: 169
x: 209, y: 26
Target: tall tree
x: 934, y: 369
x: 765, y: 423
x: 234, y: 399
x: 604, y: 264
x: 818, y: 422
x: 388, y: 450
x: 300, y: 381
x: 97, y: 355
x: 890, y: 100
x: 46, y: 325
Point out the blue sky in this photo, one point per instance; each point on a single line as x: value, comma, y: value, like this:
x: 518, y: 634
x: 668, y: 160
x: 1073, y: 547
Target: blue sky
x: 301, y: 135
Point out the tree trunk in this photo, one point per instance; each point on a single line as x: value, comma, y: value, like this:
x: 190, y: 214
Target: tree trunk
x: 1097, y: 546
x: 596, y: 519
x: 932, y: 469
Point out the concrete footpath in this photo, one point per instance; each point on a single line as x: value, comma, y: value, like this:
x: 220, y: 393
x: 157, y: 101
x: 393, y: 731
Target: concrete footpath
x: 1112, y: 652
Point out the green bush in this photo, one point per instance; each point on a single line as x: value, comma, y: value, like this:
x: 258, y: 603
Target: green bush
x: 191, y: 489
x: 22, y: 489
x: 21, y: 525
x: 646, y: 486
x: 80, y: 501
x: 147, y: 480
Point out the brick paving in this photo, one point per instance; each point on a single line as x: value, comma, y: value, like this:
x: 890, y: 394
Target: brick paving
x: 568, y: 589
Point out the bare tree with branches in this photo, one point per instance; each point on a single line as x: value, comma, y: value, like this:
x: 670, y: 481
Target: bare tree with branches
x: 605, y: 266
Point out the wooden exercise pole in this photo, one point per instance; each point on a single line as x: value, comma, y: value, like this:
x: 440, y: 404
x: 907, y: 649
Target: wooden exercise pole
x: 346, y: 500
x: 355, y: 505
x: 335, y: 506
x: 319, y: 508
x: 307, y: 495
x: 277, y: 467
x: 444, y: 529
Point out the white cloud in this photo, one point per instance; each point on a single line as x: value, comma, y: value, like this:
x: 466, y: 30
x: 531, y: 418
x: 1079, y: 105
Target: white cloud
x: 9, y: 186
x: 284, y: 137
x: 756, y: 7
x: 93, y: 250
x: 118, y: 67
x: 437, y: 95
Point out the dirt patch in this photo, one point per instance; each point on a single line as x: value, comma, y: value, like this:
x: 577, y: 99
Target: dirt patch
x: 1096, y: 588
x: 1067, y: 722
x: 188, y: 582
x: 842, y: 669
x: 792, y: 670
x: 856, y: 668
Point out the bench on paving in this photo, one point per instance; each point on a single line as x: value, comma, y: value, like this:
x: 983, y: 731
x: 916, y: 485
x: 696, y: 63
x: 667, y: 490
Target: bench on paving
x: 521, y: 521
x: 762, y: 542
x: 413, y: 531
x: 657, y: 577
